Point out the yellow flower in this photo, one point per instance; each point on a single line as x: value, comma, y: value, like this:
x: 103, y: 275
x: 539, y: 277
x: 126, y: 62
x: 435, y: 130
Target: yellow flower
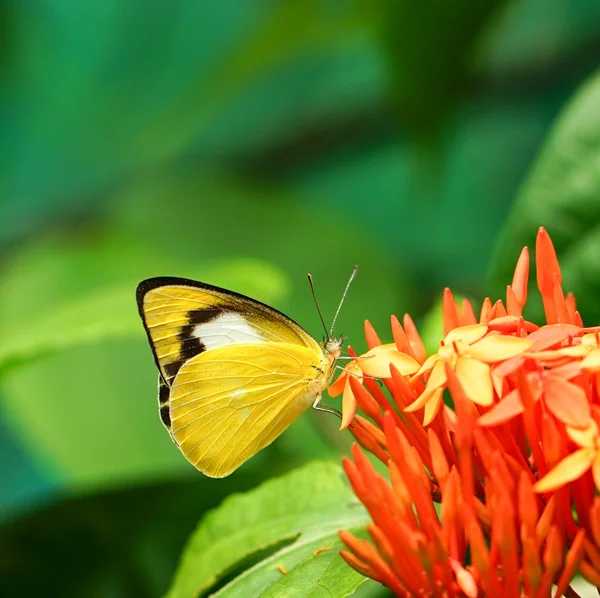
x: 577, y: 463
x: 470, y: 351
x: 375, y: 364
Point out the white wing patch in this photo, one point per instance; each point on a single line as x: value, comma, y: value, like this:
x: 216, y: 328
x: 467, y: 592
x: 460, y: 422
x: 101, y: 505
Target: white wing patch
x: 229, y: 328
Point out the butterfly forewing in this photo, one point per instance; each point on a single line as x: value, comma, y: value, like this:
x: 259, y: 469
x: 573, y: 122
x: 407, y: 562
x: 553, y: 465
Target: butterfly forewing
x: 184, y: 318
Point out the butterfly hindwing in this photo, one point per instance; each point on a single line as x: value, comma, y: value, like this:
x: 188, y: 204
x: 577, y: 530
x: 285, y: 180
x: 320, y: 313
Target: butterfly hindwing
x: 184, y: 318
x: 163, y: 403
x: 230, y: 402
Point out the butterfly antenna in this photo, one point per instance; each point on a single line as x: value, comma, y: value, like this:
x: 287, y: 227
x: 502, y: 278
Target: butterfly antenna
x: 354, y: 271
x: 312, y: 288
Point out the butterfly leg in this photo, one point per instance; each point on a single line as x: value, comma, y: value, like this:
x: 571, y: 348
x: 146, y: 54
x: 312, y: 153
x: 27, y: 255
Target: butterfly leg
x: 318, y: 407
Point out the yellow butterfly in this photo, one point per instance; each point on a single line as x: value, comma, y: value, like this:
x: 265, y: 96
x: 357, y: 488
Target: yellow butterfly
x: 234, y: 372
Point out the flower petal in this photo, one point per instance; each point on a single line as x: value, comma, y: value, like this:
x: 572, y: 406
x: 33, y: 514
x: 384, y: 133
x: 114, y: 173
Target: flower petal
x: 348, y: 406
x: 506, y: 324
x: 586, y: 437
x: 450, y: 313
x: 552, y: 335
x: 512, y: 306
x: 509, y: 366
x: 498, y: 347
x: 591, y: 362
x: 432, y: 407
x: 498, y: 310
x: 486, y: 311
x: 464, y: 580
x: 427, y: 395
x: 551, y: 355
x: 548, y: 270
x: 416, y: 344
x: 497, y: 382
x: 566, y: 401
x: 449, y: 352
x: 468, y: 316
x: 476, y: 379
x: 591, y: 339
x: 427, y: 365
x: 521, y: 277
x: 335, y: 389
x: 467, y: 334
x: 438, y: 375
x: 569, y: 469
x: 376, y: 362
x: 596, y: 470
x: 568, y: 370
x: 450, y: 419
x: 508, y: 407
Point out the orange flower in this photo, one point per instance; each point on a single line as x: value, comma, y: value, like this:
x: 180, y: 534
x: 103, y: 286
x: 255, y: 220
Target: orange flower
x: 513, y: 461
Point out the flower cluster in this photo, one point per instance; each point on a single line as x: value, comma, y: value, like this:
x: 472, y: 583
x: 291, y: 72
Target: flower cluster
x: 492, y: 446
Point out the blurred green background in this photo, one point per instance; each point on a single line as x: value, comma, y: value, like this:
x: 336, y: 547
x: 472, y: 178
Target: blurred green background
x: 245, y: 144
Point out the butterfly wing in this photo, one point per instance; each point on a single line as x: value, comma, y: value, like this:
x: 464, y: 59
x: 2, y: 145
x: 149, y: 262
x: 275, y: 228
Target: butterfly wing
x: 228, y: 403
x: 164, y: 409
x: 184, y: 318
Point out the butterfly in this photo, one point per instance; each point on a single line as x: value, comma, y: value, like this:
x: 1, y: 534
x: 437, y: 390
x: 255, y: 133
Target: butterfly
x: 234, y: 373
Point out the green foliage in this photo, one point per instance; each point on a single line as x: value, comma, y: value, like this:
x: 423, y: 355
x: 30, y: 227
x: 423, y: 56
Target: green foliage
x: 236, y: 548
x: 282, y: 37
x: 562, y: 193
x: 102, y: 316
x: 430, y: 78
x: 113, y: 543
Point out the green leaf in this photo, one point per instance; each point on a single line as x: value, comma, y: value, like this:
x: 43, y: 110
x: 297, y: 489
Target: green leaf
x: 237, y: 547
x: 562, y: 193
x: 109, y: 314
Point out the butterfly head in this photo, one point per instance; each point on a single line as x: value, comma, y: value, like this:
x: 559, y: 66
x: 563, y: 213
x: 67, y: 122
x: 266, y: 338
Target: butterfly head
x: 332, y: 345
